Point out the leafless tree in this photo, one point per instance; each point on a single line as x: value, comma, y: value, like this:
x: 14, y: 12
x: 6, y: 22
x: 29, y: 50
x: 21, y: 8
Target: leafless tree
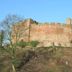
x: 6, y: 25
x: 1, y: 38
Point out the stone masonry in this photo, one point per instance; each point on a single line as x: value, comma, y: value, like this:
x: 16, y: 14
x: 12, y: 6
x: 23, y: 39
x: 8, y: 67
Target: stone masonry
x: 46, y: 33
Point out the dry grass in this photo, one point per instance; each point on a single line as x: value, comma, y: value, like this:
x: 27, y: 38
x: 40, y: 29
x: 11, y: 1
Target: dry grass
x: 38, y: 60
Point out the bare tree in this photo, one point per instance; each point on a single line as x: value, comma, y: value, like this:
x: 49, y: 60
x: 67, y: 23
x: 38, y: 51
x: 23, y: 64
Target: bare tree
x: 7, y: 24
x: 1, y: 38
x: 19, y: 31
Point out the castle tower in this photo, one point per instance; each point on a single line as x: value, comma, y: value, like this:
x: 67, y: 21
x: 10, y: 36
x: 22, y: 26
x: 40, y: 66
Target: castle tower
x: 69, y: 21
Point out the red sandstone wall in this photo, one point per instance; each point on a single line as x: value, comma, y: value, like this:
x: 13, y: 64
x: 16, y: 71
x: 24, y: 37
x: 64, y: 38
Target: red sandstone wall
x: 49, y: 32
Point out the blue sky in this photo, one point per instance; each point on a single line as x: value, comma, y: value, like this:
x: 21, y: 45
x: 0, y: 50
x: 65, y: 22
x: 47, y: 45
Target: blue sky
x: 40, y: 10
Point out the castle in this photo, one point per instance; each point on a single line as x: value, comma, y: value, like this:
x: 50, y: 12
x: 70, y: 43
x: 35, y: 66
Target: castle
x: 46, y: 33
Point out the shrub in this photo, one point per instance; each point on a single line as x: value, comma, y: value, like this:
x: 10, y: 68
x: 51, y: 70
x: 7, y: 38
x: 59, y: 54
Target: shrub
x: 34, y: 43
x: 22, y: 44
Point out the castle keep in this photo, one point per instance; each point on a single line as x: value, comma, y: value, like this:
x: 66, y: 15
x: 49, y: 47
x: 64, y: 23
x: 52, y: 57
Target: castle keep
x: 46, y: 33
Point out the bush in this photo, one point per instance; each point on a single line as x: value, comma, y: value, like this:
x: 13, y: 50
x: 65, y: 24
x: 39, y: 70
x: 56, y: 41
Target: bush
x: 22, y: 44
x: 34, y: 43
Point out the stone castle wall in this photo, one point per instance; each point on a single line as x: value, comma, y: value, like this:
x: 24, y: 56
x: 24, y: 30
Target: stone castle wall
x: 47, y: 34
